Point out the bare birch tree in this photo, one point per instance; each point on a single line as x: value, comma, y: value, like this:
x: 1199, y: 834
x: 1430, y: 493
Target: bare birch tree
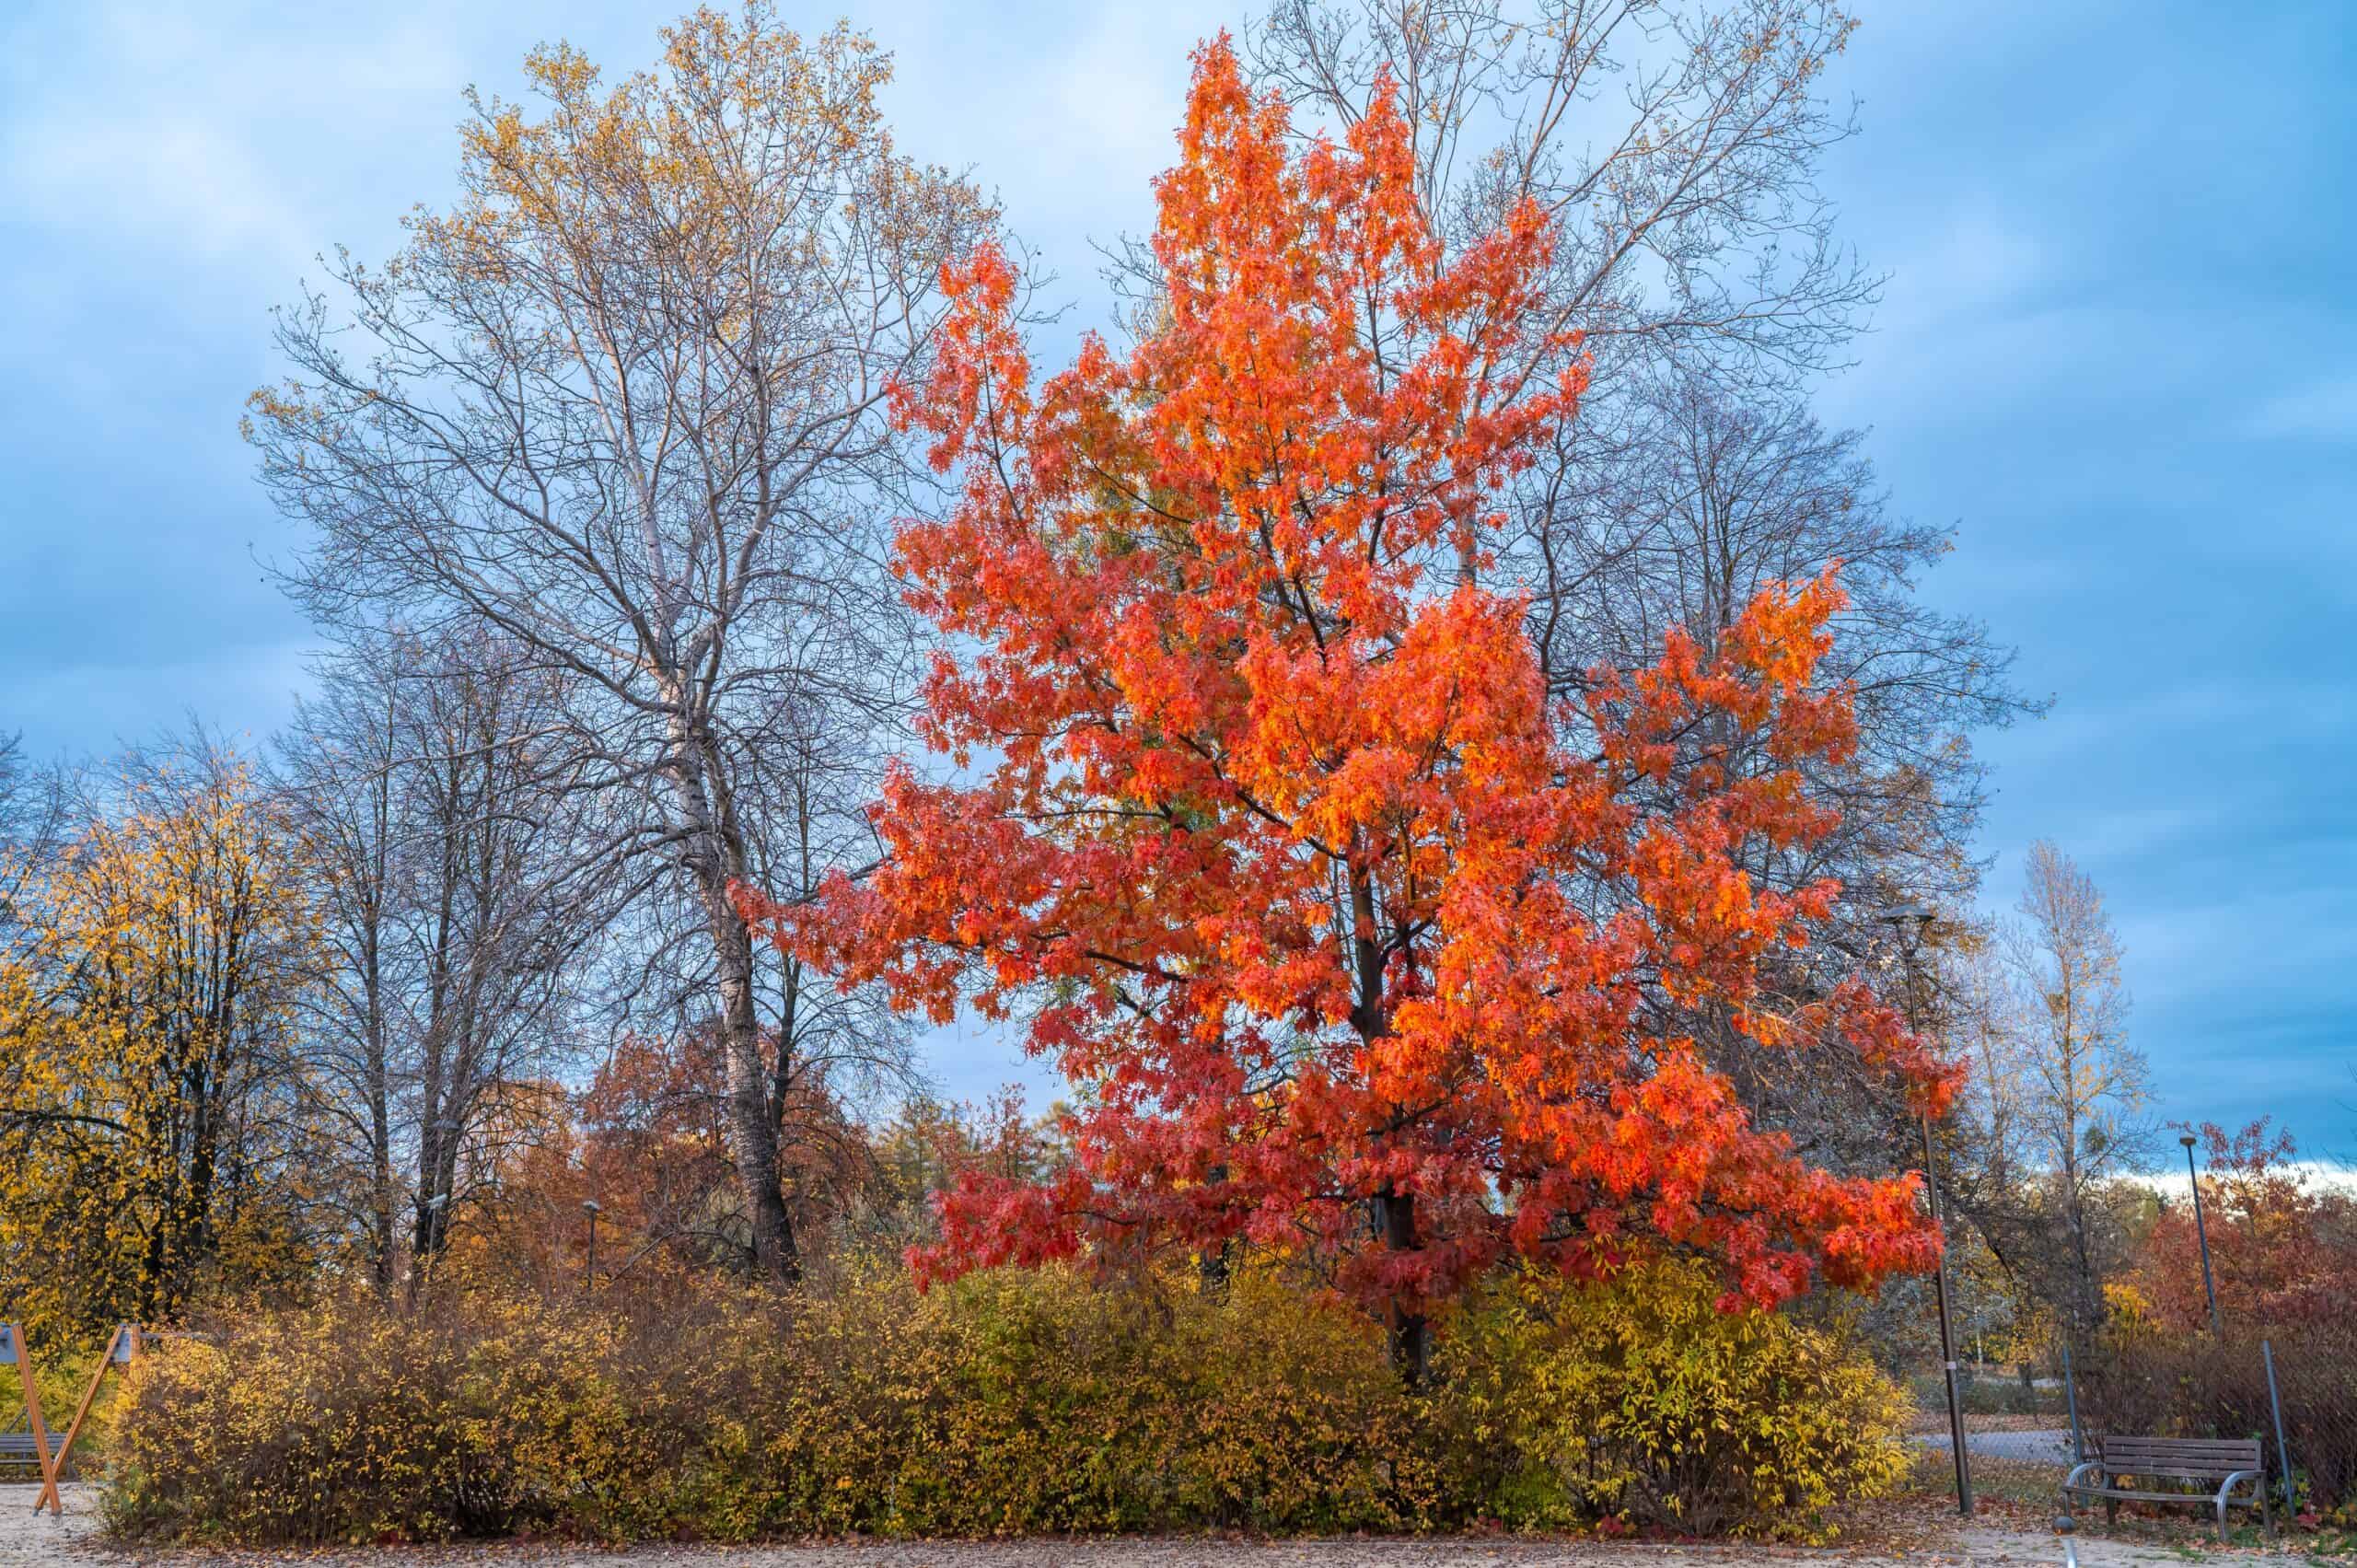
x: 625, y: 404
x: 2085, y: 1090
x: 434, y: 788
x: 338, y: 780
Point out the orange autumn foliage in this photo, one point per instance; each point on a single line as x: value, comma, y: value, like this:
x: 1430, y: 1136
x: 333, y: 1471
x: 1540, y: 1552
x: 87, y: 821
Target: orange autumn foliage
x: 646, y: 1140
x: 1324, y: 906
x: 2283, y: 1249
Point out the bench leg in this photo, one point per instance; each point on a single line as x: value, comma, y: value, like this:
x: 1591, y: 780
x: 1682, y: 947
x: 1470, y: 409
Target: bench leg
x: 2226, y: 1500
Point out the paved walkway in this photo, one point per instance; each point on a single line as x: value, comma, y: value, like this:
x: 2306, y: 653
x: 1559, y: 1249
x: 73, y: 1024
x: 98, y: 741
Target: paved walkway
x: 43, y: 1542
x: 2048, y: 1448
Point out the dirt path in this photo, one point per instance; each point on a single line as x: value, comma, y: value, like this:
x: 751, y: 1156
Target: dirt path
x: 27, y: 1541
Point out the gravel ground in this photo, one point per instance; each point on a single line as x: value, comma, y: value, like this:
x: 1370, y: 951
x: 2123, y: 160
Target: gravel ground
x: 30, y: 1541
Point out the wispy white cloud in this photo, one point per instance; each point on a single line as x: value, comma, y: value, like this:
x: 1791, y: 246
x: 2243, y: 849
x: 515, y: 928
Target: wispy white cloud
x: 179, y: 182
x: 1978, y: 257
x: 1066, y: 110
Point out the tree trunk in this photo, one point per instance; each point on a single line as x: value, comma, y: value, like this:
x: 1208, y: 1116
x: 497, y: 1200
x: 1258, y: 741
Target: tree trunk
x: 749, y: 1101
x: 1213, y: 1267
x: 380, y: 1129
x: 716, y: 857
x: 754, y: 1130
x: 1410, y: 1334
x: 1394, y: 1213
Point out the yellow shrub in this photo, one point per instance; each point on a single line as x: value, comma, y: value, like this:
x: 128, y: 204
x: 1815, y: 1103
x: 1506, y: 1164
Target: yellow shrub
x: 1022, y: 1402
x: 1641, y: 1400
x: 2127, y: 1313
x: 350, y: 1422
x: 1011, y: 1402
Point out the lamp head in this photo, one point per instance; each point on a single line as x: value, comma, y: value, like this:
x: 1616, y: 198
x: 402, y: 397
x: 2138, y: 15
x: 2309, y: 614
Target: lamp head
x: 592, y: 1206
x: 2186, y: 1138
x: 1908, y: 924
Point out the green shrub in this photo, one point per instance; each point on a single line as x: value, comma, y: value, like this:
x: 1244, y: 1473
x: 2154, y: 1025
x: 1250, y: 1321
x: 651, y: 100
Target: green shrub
x: 1010, y: 1402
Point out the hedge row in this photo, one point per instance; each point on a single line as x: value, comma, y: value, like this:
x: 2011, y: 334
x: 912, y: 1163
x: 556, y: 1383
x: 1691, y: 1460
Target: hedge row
x: 1012, y: 1402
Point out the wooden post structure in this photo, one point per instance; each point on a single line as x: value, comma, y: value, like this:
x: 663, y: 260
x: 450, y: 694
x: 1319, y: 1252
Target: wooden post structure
x: 13, y: 1350
x: 119, y: 1352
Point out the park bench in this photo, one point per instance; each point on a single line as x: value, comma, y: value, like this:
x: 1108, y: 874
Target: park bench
x: 2224, y: 1463
x: 17, y: 1450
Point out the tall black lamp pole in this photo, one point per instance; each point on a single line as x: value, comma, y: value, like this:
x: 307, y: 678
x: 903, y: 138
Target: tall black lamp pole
x: 1909, y: 921
x: 2201, y: 1231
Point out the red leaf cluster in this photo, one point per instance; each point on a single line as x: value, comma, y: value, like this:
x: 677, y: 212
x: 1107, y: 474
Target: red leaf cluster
x: 1261, y: 799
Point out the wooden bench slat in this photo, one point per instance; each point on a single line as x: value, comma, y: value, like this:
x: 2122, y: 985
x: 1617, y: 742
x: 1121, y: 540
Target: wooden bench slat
x: 2223, y: 1450
x: 2190, y: 1458
x: 2183, y: 1444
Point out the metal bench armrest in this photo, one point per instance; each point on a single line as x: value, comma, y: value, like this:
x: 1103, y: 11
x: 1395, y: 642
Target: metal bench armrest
x: 2071, y: 1480
x: 2258, y: 1479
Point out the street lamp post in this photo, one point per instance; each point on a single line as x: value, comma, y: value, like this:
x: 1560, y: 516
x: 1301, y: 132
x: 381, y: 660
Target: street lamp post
x: 589, y: 1268
x: 1909, y: 921
x: 2201, y: 1233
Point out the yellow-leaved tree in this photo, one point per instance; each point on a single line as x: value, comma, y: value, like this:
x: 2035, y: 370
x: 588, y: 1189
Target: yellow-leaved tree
x: 149, y: 1144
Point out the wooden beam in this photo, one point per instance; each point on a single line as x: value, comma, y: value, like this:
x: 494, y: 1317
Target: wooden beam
x: 110, y: 1358
x: 15, y: 1350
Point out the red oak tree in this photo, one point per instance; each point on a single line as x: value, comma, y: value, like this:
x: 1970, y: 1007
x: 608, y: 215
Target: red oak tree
x: 1345, y: 945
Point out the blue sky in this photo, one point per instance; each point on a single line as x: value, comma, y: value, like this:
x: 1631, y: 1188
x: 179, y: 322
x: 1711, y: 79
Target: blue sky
x: 2118, y: 350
